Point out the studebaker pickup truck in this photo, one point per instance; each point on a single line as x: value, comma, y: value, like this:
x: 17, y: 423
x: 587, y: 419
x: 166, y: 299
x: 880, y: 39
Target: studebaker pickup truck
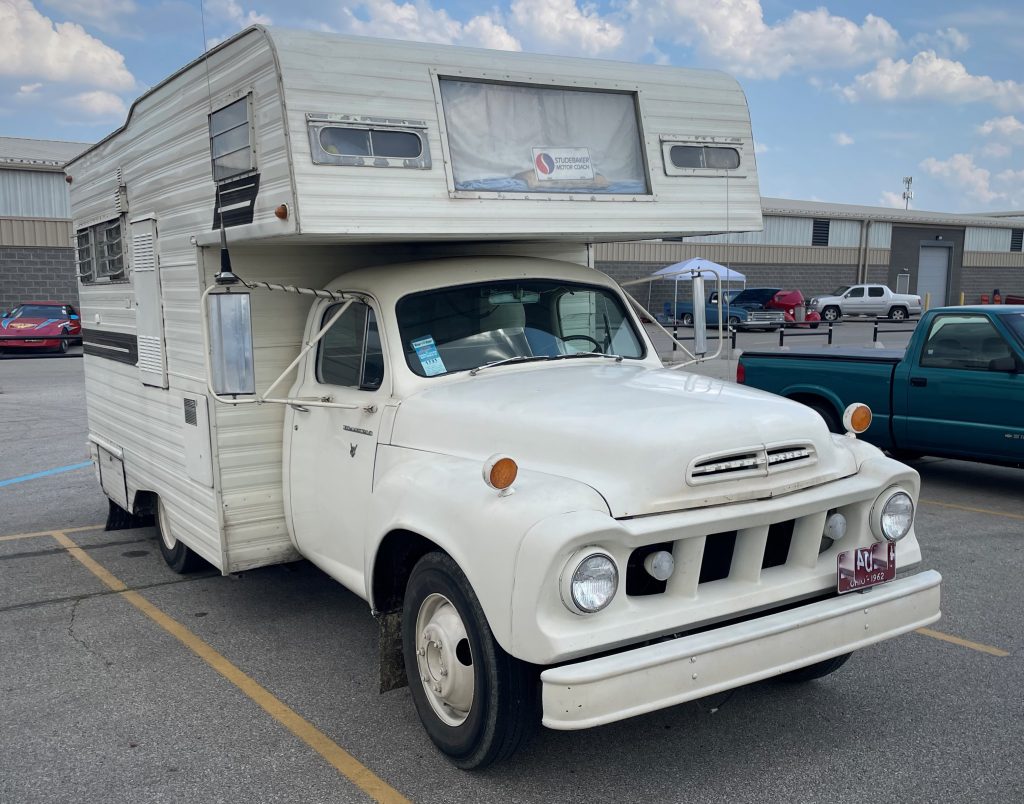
x: 957, y: 390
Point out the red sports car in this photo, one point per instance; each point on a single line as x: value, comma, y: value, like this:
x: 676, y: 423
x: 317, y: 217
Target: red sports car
x: 42, y: 325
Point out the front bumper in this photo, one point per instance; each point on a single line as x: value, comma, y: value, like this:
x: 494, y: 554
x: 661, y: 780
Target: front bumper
x: 610, y: 688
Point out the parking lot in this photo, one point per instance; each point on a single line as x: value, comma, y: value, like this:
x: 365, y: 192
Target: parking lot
x: 122, y: 681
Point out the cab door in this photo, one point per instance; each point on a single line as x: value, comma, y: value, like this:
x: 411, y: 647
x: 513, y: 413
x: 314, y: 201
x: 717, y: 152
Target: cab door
x: 962, y: 396
x: 854, y: 302
x: 332, y: 450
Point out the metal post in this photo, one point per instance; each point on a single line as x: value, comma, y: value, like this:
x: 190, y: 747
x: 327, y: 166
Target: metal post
x: 782, y: 334
x: 675, y: 313
x: 829, y: 333
x: 733, y: 338
x: 874, y: 334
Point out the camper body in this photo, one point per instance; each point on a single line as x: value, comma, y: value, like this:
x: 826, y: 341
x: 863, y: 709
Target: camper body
x: 473, y: 430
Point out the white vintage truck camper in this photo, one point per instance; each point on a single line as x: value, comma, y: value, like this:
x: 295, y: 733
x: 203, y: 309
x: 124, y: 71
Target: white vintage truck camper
x: 410, y: 374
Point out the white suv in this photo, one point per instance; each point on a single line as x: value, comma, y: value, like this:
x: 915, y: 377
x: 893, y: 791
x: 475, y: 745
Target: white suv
x: 875, y: 300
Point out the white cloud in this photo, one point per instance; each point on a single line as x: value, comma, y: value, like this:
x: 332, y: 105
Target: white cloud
x: 1014, y: 177
x: 842, y: 138
x: 232, y: 11
x: 960, y: 172
x: 564, y: 24
x: 1008, y: 127
x: 891, y: 199
x: 28, y: 90
x: 32, y: 45
x: 107, y: 15
x: 734, y: 33
x: 931, y: 77
x: 99, y: 105
x: 419, y: 21
x: 761, y: 148
x: 996, y: 150
x: 946, y: 42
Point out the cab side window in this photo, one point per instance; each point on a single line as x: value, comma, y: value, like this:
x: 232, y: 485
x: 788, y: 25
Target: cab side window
x: 964, y: 342
x: 350, y: 353
x: 855, y: 293
x: 876, y: 292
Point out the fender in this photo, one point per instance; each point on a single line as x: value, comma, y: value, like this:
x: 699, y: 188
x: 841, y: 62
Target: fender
x: 815, y: 390
x: 444, y: 499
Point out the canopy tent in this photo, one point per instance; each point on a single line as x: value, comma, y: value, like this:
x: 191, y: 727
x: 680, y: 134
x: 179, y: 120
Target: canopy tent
x: 683, y: 271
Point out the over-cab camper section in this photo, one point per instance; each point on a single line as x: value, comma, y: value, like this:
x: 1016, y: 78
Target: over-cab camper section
x: 317, y: 154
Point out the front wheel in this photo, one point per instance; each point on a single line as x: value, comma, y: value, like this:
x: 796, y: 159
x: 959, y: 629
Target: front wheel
x: 687, y: 319
x: 65, y: 341
x: 818, y: 670
x: 477, y: 703
x: 831, y: 314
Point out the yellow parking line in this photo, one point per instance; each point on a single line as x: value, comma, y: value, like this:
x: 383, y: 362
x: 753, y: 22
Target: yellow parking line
x: 964, y: 643
x: 14, y: 536
x: 342, y: 761
x: 973, y: 510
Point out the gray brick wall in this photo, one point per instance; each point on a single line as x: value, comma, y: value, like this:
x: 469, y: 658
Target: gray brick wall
x: 36, y: 273
x: 975, y: 281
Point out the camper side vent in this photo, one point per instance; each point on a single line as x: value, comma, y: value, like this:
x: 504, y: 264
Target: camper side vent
x: 190, y: 412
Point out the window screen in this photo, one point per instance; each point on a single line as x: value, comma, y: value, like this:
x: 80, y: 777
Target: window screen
x: 704, y: 156
x: 527, y: 139
x: 231, y: 140
x: 99, y: 252
x: 350, y: 353
x: 370, y: 142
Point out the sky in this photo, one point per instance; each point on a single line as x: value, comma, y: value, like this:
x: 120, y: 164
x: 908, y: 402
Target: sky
x: 845, y: 99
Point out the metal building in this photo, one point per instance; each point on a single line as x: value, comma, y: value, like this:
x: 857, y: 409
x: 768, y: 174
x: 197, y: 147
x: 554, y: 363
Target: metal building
x: 816, y: 247
x: 36, y: 258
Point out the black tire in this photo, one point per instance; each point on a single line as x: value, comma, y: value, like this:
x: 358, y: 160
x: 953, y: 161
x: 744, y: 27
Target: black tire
x: 819, y: 670
x: 733, y: 320
x: 831, y: 313
x: 687, y: 319
x: 65, y: 342
x: 826, y: 412
x: 898, y: 313
x: 905, y: 455
x: 815, y: 325
x: 177, y: 555
x: 503, y: 707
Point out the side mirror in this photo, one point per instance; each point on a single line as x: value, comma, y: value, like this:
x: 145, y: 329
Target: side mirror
x: 232, y: 364
x: 1009, y: 363
x: 700, y: 323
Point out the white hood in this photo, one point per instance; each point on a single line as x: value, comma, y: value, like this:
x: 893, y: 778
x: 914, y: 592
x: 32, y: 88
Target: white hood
x: 631, y: 432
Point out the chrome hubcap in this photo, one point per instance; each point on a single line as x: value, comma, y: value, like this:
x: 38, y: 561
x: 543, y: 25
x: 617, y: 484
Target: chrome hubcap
x: 443, y: 659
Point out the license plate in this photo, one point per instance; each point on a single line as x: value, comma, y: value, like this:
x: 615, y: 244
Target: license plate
x: 866, y: 566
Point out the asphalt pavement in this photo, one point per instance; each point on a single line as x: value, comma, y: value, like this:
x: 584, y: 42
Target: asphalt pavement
x: 121, y: 681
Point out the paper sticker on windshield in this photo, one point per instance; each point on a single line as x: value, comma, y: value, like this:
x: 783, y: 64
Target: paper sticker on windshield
x: 426, y: 351
x: 559, y: 164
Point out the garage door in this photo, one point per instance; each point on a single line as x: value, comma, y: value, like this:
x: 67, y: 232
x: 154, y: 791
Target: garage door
x: 933, y: 274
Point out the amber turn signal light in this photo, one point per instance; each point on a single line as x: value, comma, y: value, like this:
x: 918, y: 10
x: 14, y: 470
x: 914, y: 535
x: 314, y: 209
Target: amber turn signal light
x: 282, y: 211
x: 857, y: 418
x: 500, y: 472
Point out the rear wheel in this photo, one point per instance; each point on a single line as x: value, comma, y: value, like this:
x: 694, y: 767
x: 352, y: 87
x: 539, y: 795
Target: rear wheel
x: 818, y: 670
x: 898, y: 313
x: 177, y: 555
x: 831, y: 313
x: 477, y: 703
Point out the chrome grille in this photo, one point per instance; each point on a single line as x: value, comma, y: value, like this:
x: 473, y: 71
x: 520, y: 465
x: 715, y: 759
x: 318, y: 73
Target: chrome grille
x: 750, y: 462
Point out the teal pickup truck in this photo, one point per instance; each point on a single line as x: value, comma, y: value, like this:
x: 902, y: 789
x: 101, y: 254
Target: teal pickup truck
x: 957, y: 391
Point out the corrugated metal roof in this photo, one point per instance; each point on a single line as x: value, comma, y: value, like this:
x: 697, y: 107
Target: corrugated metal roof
x: 39, y: 154
x: 820, y: 209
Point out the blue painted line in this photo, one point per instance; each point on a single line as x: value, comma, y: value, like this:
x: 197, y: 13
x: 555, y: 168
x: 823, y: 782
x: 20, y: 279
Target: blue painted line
x: 47, y: 473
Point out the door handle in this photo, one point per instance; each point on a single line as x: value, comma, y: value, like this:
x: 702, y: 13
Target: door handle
x: 920, y: 382
x: 298, y: 407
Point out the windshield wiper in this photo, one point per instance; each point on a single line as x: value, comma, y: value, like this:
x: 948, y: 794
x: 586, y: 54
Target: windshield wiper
x: 509, y: 361
x: 616, y: 358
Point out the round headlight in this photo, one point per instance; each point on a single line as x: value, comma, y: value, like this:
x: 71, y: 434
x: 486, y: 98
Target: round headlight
x: 593, y: 583
x: 895, y: 515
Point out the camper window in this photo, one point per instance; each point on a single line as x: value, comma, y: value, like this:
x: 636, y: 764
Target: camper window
x: 704, y: 157
x: 511, y: 138
x: 350, y: 353
x: 99, y: 252
x: 231, y: 140
x: 368, y: 142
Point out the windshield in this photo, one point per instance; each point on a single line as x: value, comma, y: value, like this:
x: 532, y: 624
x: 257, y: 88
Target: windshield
x: 754, y: 295
x: 464, y: 327
x: 839, y: 291
x: 37, y: 311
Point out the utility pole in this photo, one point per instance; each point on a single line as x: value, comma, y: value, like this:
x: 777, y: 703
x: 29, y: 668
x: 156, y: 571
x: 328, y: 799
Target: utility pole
x: 907, y: 192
